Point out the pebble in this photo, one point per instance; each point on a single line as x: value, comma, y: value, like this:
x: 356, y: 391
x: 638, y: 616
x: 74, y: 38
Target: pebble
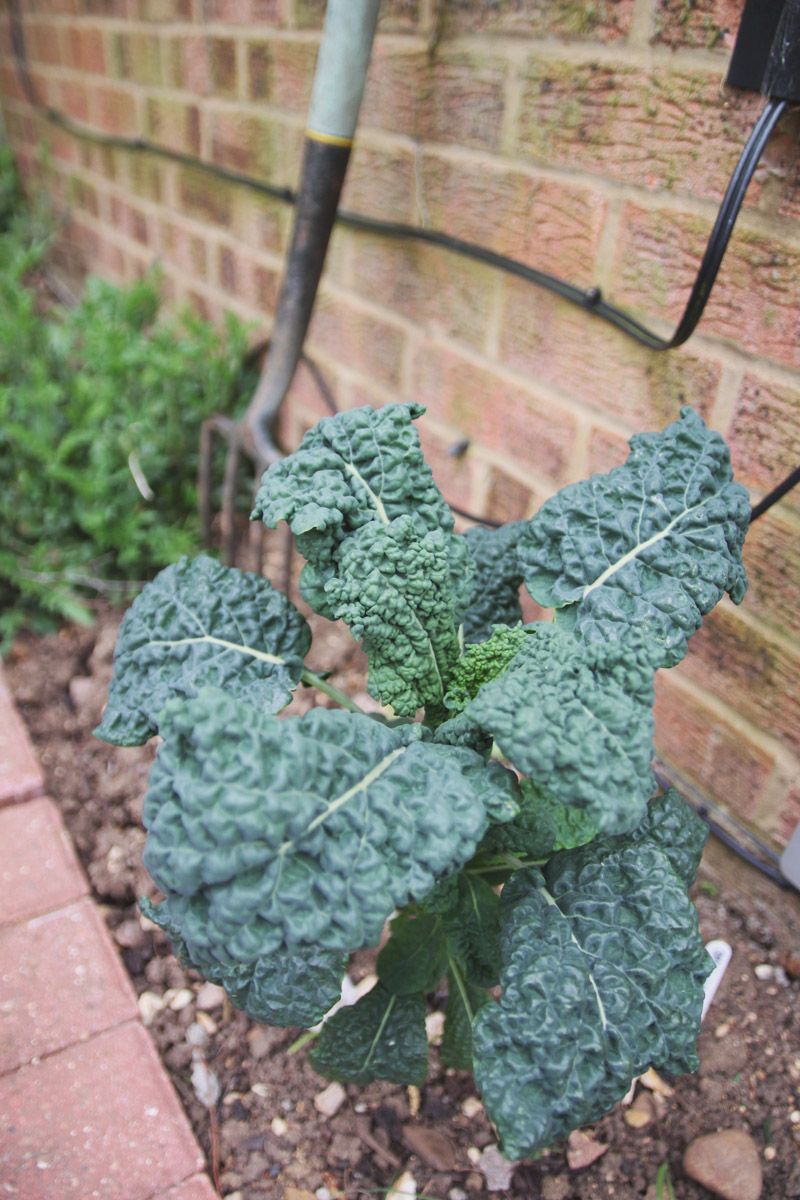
x: 471, y: 1107
x: 150, y: 1005
x: 262, y: 1038
x: 727, y: 1163
x: 293, y: 1193
x: 329, y: 1101
x: 209, y: 997
x: 456, y: 1193
x: 555, y: 1187
x: 260, y: 1089
x: 278, y: 1126
x: 497, y: 1170
x: 641, y: 1113
x: 434, y: 1028
x: 403, y: 1188
x: 582, y: 1149
x: 434, y: 1148
x: 179, y: 998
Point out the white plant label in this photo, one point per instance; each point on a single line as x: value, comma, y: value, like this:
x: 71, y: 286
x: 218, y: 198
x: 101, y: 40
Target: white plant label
x: 721, y: 953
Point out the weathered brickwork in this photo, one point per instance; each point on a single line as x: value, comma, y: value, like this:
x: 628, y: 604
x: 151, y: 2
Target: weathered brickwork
x: 592, y: 139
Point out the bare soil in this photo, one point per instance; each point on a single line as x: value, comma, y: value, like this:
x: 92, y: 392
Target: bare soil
x: 271, y: 1137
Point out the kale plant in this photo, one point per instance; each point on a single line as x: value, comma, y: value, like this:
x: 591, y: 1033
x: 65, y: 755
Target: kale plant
x: 512, y: 837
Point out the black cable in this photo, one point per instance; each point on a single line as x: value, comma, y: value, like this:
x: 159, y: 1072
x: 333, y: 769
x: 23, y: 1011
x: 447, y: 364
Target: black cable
x: 589, y: 299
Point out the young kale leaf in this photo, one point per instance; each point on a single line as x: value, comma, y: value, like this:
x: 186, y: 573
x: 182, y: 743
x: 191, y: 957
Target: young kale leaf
x: 578, y: 719
x: 603, y: 976
x: 381, y: 1036
x: 197, y: 624
x: 307, y: 831
x: 653, y: 545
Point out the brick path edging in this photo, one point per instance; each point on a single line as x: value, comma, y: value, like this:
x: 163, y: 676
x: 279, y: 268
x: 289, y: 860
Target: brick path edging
x: 86, y: 1108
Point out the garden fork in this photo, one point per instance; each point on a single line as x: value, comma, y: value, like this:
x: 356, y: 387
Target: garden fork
x: 335, y: 102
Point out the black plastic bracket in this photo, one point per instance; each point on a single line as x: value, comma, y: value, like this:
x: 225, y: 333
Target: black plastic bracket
x: 766, y: 56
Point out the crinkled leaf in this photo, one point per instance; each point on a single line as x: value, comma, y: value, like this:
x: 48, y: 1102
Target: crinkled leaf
x: 673, y: 826
x: 483, y: 662
x: 578, y: 719
x: 286, y: 987
x: 494, y: 598
x: 360, y: 467
x: 653, y: 545
x: 542, y: 826
x: 603, y: 976
x: 464, y: 1001
x: 305, y: 831
x: 199, y: 623
x: 470, y: 913
x: 392, y: 587
x: 381, y: 1036
x: 415, y: 957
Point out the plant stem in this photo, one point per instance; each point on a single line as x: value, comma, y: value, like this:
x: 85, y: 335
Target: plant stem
x: 303, y: 1040
x: 322, y: 685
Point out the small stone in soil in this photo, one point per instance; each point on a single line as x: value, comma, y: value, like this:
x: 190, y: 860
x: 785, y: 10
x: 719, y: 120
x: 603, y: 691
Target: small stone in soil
x: 329, y: 1101
x: 555, y: 1187
x: 497, y: 1171
x: 582, y: 1149
x: 432, y: 1147
x: 263, y: 1038
x: 727, y: 1163
x: 471, y: 1107
x: 641, y: 1113
x: 209, y: 997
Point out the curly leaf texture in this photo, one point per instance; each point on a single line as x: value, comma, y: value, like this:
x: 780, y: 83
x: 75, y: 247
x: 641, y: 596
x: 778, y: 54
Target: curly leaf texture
x: 653, y: 545
x: 267, y: 833
x: 603, y: 976
x: 201, y: 624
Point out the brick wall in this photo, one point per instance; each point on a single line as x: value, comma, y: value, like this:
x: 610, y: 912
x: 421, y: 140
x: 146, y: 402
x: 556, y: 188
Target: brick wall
x: 592, y: 139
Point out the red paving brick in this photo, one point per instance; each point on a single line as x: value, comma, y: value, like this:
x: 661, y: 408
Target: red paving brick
x: 97, y: 1121
x: 38, y: 867
x: 198, y: 1188
x: 20, y: 774
x: 60, y: 982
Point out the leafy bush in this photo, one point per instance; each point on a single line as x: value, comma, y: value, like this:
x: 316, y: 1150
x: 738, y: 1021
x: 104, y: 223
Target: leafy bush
x: 91, y: 400
x: 281, y: 845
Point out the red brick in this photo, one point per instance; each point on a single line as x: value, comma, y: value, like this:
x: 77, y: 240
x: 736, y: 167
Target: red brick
x: 261, y: 222
x: 659, y: 128
x: 507, y: 498
x: 203, y: 197
x: 711, y: 752
x: 222, y: 66
x: 789, y: 816
x: 198, y: 1188
x: 20, y: 774
x: 83, y: 49
x: 101, y: 1117
x: 357, y: 338
x: 453, y: 97
x: 74, y: 100
x: 379, y: 180
x: 553, y: 226
x: 764, y: 435
x: 772, y: 559
x: 607, y: 20
x: 43, y: 42
x: 704, y: 24
x: 493, y: 412
x: 599, y: 366
x: 284, y: 79
x: 161, y: 10
x: 114, y: 110
x: 173, y: 124
x: 186, y: 65
x: 753, y: 673
x: 443, y: 293
x: 65, y: 982
x: 135, y: 57
x: 246, y: 143
x: 456, y: 477
x: 753, y: 304
x: 38, y: 867
x: 605, y: 451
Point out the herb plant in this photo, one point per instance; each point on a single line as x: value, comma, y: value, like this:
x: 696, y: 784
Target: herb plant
x: 100, y: 411
x: 280, y: 845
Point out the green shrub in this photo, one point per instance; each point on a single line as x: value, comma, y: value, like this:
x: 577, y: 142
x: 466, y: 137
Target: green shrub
x: 93, y: 400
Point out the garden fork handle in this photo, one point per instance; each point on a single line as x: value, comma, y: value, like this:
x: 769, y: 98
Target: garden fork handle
x: 333, y: 114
